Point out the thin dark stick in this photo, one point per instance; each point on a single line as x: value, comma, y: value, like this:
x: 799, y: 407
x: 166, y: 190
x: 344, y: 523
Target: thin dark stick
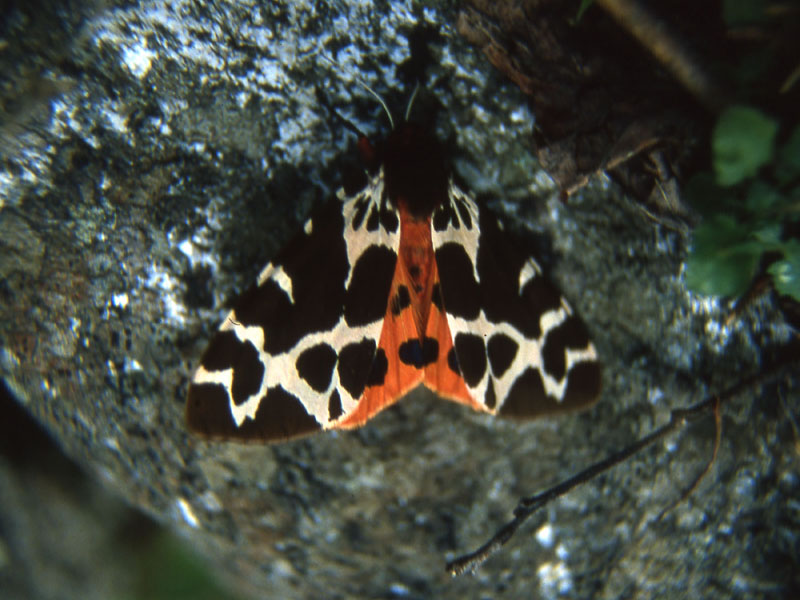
x: 690, y: 489
x: 349, y: 125
x: 678, y: 417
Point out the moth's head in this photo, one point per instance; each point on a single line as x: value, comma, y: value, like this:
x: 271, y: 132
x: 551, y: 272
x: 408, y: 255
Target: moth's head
x: 414, y: 168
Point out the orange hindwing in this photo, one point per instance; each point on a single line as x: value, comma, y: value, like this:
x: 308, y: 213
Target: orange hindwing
x: 415, y: 338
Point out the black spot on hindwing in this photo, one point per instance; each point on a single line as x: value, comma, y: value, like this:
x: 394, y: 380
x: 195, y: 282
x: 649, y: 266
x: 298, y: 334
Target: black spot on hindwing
x: 502, y: 350
x: 334, y: 406
x: 436, y: 297
x: 280, y: 415
x: 452, y: 361
x: 355, y: 365
x: 471, y: 354
x: 490, y: 399
x: 380, y: 366
x: 315, y: 365
x: 417, y: 355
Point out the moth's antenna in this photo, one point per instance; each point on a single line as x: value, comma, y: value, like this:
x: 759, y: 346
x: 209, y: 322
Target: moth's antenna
x: 378, y: 97
x: 363, y: 84
x: 411, y: 102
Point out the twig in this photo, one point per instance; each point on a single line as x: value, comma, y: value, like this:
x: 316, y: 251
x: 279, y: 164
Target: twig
x: 678, y: 417
x: 694, y: 484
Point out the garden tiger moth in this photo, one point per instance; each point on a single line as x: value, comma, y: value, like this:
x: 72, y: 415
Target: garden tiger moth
x: 409, y: 281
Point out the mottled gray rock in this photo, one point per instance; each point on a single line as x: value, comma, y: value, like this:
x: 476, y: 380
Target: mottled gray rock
x: 179, y: 144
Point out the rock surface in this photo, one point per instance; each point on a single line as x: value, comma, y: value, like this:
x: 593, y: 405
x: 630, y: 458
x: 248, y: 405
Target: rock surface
x: 159, y: 153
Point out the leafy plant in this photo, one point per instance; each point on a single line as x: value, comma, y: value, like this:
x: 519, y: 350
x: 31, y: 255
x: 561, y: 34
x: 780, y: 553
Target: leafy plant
x: 745, y: 204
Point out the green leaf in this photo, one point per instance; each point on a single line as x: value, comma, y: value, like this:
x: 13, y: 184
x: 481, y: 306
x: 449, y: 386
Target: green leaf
x: 708, y: 198
x: 723, y: 258
x: 786, y: 272
x: 741, y: 143
x: 788, y: 167
x: 762, y: 198
x: 769, y: 236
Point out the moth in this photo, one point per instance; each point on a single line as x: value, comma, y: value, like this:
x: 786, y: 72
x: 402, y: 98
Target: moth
x: 409, y: 281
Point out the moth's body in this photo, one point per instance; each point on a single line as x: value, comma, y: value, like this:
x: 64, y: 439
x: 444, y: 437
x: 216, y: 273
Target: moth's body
x: 419, y: 287
x: 415, y: 259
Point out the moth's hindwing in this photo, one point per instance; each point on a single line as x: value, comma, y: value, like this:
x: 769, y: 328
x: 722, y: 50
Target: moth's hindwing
x: 408, y: 355
x: 297, y: 351
x: 516, y: 343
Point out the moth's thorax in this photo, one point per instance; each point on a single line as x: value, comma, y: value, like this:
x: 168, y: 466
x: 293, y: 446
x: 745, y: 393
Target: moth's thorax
x: 415, y: 171
x: 417, y: 259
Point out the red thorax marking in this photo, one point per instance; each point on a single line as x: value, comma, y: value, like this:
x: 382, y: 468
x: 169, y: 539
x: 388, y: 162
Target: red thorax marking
x: 416, y: 258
